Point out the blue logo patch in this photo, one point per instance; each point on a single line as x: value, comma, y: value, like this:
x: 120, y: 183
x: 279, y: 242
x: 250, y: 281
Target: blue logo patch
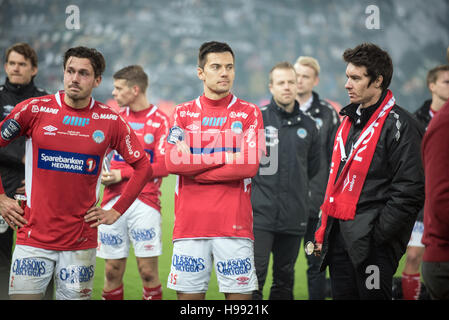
x: 187, y: 263
x: 136, y: 125
x: 67, y: 161
x: 98, y: 136
x: 302, y: 133
x: 237, y: 127
x: 110, y: 239
x: 234, y: 267
x: 143, y: 234
x: 213, y: 121
x: 75, y: 121
x: 29, y: 267
x: 77, y: 274
x: 148, y: 138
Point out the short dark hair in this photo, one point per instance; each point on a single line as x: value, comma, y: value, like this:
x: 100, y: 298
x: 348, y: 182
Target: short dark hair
x: 134, y: 75
x: 95, y: 57
x: 25, y: 50
x: 281, y: 65
x: 212, y: 47
x: 377, y: 62
x: 433, y: 74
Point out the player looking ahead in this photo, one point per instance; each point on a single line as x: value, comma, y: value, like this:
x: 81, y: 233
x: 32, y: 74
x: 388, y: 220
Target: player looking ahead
x: 214, y: 147
x: 141, y: 223
x: 68, y: 135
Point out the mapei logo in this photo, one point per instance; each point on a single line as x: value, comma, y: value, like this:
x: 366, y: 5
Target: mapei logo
x: 106, y: 116
x: 75, y: 121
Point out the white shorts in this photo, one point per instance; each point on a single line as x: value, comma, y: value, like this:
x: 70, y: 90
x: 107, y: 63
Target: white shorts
x: 32, y: 269
x: 232, y: 258
x: 416, y: 237
x: 140, y: 224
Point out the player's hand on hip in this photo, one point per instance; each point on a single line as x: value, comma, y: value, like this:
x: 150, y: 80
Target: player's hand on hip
x: 11, y: 212
x: 99, y: 216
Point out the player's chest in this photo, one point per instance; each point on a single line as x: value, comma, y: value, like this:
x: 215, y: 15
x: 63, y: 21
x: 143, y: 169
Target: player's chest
x: 68, y: 131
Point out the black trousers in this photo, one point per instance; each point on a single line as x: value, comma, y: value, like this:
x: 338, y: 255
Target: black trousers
x: 316, y: 279
x: 6, y: 242
x: 372, y: 280
x: 285, y: 249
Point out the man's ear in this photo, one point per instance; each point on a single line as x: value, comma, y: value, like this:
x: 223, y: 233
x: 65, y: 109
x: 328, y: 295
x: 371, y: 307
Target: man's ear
x: 200, y: 73
x: 97, y: 81
x: 379, y: 81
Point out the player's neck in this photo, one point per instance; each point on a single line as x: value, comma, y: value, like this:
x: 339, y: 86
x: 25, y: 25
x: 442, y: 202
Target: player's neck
x: 436, y: 104
x: 76, y: 104
x: 139, y: 104
x: 212, y: 95
x: 303, y: 98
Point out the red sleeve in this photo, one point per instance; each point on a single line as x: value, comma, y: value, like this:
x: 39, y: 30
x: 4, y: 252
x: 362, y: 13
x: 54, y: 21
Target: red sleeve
x: 2, y: 191
x: 158, y: 165
x: 189, y: 164
x: 251, y: 149
x: 319, y: 234
x: 141, y: 173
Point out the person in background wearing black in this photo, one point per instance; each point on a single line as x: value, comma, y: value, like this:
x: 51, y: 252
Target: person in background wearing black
x: 376, y: 182
x: 280, y: 198
x: 21, y: 68
x: 327, y: 120
x: 438, y: 84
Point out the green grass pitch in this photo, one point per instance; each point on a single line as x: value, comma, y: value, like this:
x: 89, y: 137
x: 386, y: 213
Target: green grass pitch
x: 133, y: 284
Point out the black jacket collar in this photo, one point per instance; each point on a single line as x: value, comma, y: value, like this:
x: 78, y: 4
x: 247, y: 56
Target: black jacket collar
x: 19, y: 89
x: 366, y: 113
x: 282, y: 112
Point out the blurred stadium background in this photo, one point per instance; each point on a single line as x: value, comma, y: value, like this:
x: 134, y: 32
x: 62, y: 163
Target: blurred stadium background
x: 164, y: 35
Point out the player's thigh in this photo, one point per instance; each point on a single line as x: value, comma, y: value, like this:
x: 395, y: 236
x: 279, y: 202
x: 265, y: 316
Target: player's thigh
x: 191, y: 266
x: 31, y: 271
x: 75, y: 274
x: 113, y: 241
x: 145, y: 230
x: 234, y: 265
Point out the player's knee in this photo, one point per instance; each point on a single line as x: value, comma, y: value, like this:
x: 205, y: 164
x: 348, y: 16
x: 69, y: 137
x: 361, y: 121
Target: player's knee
x: 414, y: 257
x: 148, y: 274
x: 113, y: 271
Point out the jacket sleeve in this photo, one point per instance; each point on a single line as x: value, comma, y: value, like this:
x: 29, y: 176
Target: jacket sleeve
x: 314, y: 154
x: 406, y: 190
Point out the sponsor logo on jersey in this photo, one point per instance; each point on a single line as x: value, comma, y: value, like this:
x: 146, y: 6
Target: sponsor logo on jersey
x: 143, y: 234
x: 44, y: 109
x: 239, y: 114
x: 233, y: 267
x: 98, y: 136
x: 106, y: 116
x: 75, y: 121
x: 191, y: 114
x: 187, y: 263
x: 67, y: 161
x: 50, y: 130
x: 192, y: 127
x: 136, y: 125
x: 130, y: 147
x: 77, y: 274
x: 10, y: 129
x: 213, y: 121
x: 31, y: 267
x: 175, y: 134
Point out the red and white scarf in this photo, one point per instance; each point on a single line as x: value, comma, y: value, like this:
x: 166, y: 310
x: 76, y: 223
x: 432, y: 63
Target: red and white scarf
x: 343, y: 194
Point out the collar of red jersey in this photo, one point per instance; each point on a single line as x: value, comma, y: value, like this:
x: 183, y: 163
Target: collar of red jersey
x: 233, y: 100
x: 59, y: 101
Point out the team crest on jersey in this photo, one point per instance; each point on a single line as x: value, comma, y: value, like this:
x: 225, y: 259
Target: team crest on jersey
x: 98, y: 136
x: 148, y: 138
x: 237, y: 127
x: 302, y: 133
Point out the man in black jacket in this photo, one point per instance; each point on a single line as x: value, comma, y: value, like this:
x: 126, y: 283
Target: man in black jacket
x: 280, y: 198
x: 327, y: 120
x: 21, y: 68
x: 376, y: 183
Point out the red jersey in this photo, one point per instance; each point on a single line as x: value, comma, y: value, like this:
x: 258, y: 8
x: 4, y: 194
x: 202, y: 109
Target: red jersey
x: 213, y: 193
x: 151, y: 128
x: 65, y: 148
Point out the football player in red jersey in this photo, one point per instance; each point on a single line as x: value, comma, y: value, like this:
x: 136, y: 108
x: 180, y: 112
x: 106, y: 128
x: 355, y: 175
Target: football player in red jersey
x: 214, y: 148
x: 141, y: 223
x: 68, y: 134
